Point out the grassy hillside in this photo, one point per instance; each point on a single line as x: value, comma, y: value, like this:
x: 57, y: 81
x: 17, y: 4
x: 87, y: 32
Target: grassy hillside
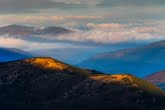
x: 46, y: 84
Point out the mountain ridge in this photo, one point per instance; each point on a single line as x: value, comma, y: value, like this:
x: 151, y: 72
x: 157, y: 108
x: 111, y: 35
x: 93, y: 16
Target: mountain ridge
x: 12, y: 54
x: 128, y: 60
x: 45, y: 83
x: 157, y: 78
x: 15, y: 29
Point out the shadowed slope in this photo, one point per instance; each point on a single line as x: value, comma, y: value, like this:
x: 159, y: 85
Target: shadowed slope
x: 139, y: 61
x: 11, y: 54
x: 46, y: 84
x: 157, y: 78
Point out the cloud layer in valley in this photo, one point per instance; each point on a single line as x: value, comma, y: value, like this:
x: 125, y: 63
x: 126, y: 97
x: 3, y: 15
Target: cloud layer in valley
x: 106, y: 33
x: 95, y: 21
x: 8, y: 42
x: 114, y: 33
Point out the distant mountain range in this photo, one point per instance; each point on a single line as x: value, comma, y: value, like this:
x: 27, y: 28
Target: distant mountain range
x: 157, y: 78
x: 48, y: 84
x: 19, y: 30
x: 11, y: 54
x: 139, y: 61
x: 67, y: 55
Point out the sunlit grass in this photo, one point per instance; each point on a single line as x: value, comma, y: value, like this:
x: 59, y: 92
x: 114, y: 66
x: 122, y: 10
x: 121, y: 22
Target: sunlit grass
x: 129, y: 80
x: 118, y: 79
x: 47, y: 63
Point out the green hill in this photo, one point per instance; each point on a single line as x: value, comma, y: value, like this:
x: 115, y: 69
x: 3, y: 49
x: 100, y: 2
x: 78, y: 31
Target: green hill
x: 46, y: 84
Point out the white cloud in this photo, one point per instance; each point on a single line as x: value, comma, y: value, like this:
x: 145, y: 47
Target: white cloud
x: 9, y: 42
x: 147, y: 30
x: 86, y: 2
x: 113, y: 34
x: 43, y: 20
x: 106, y: 26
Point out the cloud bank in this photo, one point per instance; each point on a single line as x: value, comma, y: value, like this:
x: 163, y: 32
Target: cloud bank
x: 112, y: 37
x: 106, y: 26
x: 113, y: 33
x: 8, y: 42
x: 102, y: 34
x: 41, y: 20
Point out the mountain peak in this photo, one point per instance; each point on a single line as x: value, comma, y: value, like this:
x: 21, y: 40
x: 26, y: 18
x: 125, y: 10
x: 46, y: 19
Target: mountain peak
x: 46, y: 63
x: 15, y: 26
x: 30, y: 81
